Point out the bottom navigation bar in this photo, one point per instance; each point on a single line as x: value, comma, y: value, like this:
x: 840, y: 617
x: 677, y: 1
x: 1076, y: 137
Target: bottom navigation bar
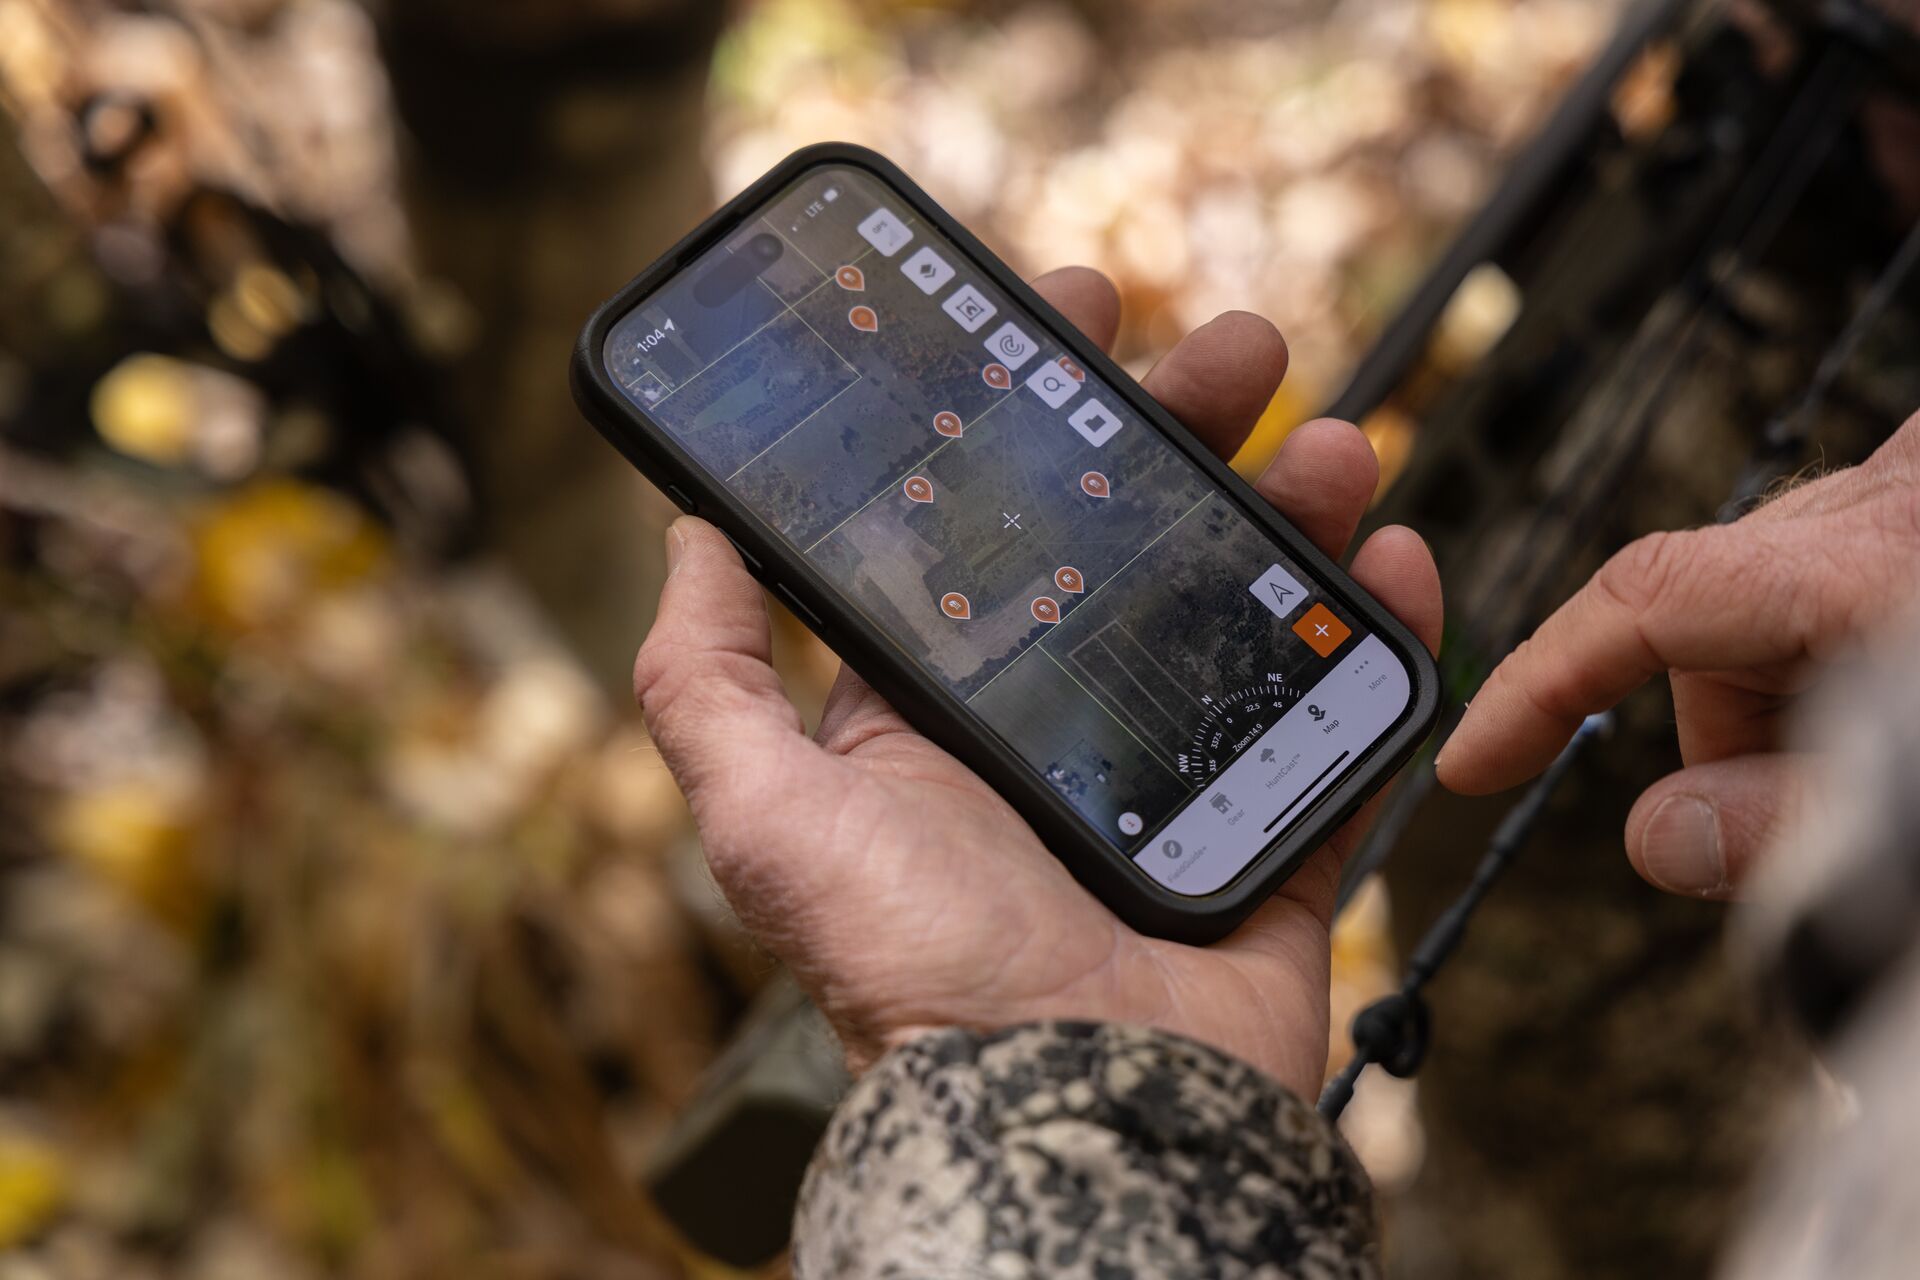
x: 1224, y: 827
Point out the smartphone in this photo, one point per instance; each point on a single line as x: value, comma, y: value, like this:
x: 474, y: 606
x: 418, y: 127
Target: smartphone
x: 1008, y: 539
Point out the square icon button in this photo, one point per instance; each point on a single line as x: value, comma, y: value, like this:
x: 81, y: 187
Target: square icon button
x: 1096, y: 423
x: 1010, y: 346
x: 969, y: 308
x: 1280, y: 591
x: 885, y: 232
x: 1321, y: 630
x: 928, y: 270
x: 1053, y: 384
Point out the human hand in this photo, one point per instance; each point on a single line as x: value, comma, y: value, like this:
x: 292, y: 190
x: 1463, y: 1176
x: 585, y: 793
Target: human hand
x: 904, y: 893
x: 1742, y: 616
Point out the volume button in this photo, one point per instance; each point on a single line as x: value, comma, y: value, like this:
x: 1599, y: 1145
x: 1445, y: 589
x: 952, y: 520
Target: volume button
x: 679, y: 499
x: 746, y: 556
x: 800, y: 611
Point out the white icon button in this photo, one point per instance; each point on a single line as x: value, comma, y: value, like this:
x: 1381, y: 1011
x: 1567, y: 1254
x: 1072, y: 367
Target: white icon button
x: 1130, y: 824
x: 1279, y: 590
x: 969, y: 308
x: 1053, y: 384
x: 1095, y: 422
x: 885, y: 232
x: 928, y: 270
x: 1011, y: 347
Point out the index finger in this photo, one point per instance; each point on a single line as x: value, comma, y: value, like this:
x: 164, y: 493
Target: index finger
x: 1086, y: 298
x: 1701, y: 600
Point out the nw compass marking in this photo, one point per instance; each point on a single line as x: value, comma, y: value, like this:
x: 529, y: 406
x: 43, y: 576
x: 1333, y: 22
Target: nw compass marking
x: 1232, y: 722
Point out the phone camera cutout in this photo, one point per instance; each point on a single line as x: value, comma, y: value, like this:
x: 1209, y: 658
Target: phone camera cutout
x: 724, y: 283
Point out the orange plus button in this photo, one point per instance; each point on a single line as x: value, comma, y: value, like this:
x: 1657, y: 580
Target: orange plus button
x: 1321, y: 630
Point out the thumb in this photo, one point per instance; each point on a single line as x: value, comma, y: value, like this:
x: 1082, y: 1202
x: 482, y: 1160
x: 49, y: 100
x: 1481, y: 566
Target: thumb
x: 1700, y: 831
x: 704, y: 679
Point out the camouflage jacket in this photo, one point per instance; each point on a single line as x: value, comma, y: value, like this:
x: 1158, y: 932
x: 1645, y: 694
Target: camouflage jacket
x: 1079, y: 1149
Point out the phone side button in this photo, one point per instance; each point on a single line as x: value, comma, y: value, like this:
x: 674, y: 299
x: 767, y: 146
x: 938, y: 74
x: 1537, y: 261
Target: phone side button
x: 746, y: 556
x: 800, y: 611
x: 679, y: 499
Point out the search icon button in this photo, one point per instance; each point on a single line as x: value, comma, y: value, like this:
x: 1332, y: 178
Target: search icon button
x: 1052, y: 384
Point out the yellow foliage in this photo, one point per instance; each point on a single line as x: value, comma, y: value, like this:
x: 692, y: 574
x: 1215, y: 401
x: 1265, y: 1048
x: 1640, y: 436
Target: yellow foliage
x: 268, y: 299
x: 1478, y: 315
x: 460, y: 1119
x: 144, y: 408
x: 1391, y: 434
x: 1287, y: 410
x: 138, y: 837
x: 1362, y: 938
x: 263, y: 556
x: 33, y: 1187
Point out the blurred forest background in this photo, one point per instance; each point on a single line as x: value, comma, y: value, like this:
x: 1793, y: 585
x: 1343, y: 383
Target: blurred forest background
x: 348, y: 923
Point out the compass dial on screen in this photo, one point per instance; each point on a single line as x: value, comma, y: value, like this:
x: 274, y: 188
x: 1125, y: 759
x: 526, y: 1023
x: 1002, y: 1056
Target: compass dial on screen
x: 1231, y: 722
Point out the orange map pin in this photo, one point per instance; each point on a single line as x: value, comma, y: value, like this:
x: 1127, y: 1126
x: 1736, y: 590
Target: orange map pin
x: 1068, y: 579
x: 947, y: 424
x: 1046, y: 609
x: 997, y: 376
x: 919, y: 488
x: 863, y: 319
x: 1095, y: 484
x: 1074, y: 371
x: 852, y: 279
x: 955, y: 606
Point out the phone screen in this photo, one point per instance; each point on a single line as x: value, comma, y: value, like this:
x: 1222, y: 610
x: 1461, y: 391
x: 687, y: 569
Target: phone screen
x: 1082, y: 588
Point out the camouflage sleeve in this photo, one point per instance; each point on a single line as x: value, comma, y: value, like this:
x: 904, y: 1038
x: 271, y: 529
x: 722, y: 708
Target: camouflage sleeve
x: 1078, y: 1149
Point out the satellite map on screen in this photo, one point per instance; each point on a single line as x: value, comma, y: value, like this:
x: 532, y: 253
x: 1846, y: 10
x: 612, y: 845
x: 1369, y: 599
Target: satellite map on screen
x: 929, y: 446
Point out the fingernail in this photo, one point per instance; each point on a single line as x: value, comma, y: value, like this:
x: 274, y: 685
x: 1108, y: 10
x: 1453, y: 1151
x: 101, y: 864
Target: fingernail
x: 676, y: 541
x: 1680, y: 848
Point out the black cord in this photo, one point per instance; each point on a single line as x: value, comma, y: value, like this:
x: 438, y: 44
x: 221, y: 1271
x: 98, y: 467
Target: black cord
x: 1787, y: 432
x: 1394, y: 1031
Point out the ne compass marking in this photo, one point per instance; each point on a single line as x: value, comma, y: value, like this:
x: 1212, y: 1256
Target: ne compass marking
x: 1231, y: 723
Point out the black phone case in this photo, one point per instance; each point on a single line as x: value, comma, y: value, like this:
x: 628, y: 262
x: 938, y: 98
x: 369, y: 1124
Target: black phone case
x: 1126, y: 890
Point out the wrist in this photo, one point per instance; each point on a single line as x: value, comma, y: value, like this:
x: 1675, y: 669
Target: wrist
x: 1197, y: 1150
